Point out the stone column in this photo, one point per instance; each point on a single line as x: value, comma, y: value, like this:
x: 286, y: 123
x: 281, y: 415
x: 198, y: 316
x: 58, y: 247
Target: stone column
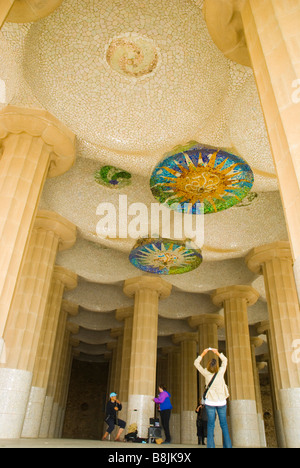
x: 112, y: 382
x: 34, y: 146
x: 243, y: 414
x: 35, y: 406
x: 275, y: 262
x: 118, y: 334
x: 271, y: 29
x: 23, y: 328
x: 189, y: 396
x: 65, y: 390
x: 146, y: 291
x: 125, y: 314
x: 208, y: 325
x: 174, y: 387
x: 61, y: 280
x: 264, y: 328
x: 63, y: 369
x: 255, y: 342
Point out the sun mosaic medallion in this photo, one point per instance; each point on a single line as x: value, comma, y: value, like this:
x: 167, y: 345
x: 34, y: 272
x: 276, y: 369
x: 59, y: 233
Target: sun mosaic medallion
x: 165, y: 256
x: 194, y: 174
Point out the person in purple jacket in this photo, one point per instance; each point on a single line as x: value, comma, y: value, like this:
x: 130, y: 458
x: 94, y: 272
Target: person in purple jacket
x: 165, y: 406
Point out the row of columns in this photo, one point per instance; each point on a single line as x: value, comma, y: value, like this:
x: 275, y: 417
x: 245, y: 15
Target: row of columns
x: 136, y: 353
x: 35, y: 351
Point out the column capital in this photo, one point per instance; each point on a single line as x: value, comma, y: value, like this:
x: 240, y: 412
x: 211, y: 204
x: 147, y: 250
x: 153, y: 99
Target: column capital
x: 28, y: 11
x: 69, y: 307
x: 213, y: 319
x: 188, y: 336
x: 234, y: 292
x: 264, y: 253
x: 67, y: 277
x: 170, y: 350
x: 116, y: 332
x: 123, y: 313
x: 262, y: 327
x: 224, y: 23
x: 132, y: 285
x: 65, y: 230
x: 40, y: 123
x: 73, y: 328
x: 111, y: 345
x: 256, y: 341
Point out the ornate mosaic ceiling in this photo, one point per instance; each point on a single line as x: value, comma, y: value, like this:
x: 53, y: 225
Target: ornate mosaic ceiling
x: 133, y: 79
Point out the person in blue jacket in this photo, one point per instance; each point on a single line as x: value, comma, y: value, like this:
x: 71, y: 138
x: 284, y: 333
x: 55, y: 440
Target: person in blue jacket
x: 165, y: 407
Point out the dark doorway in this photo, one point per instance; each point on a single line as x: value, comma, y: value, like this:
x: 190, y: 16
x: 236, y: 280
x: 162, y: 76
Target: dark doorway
x: 85, y: 408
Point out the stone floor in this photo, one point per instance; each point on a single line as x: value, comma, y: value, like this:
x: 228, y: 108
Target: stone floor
x: 75, y: 443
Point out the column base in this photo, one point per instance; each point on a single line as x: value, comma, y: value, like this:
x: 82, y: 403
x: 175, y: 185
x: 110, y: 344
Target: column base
x: 188, y: 427
x: 244, y: 425
x: 34, y: 412
x: 175, y: 425
x: 2, y: 351
x: 14, y: 394
x: 46, y: 417
x: 290, y: 411
x: 53, y: 420
x: 140, y: 410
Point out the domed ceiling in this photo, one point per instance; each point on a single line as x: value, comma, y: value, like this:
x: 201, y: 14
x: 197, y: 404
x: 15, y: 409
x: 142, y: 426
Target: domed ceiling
x: 135, y: 80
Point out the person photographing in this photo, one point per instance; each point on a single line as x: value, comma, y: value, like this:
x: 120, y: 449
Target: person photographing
x: 215, y: 395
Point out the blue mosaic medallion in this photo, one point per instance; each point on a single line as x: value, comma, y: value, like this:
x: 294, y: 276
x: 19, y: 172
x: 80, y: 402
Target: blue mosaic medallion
x: 195, y: 174
x: 165, y: 256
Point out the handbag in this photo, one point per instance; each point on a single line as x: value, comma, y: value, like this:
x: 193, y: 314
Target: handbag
x: 208, y: 387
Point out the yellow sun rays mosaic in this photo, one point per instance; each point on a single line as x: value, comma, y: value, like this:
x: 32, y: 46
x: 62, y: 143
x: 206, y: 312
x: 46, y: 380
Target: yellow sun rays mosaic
x: 197, y: 174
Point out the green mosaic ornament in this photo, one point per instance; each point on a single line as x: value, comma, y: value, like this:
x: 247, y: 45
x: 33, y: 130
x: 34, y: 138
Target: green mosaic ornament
x: 112, y: 177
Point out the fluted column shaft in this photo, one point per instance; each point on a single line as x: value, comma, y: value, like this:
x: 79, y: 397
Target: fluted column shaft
x: 243, y: 413
x: 62, y: 370
x: 34, y: 145
x: 174, y: 387
x: 126, y: 315
x: 24, y: 323
x: 146, y: 291
x: 208, y: 325
x: 63, y: 279
x: 256, y: 342
x: 272, y: 33
x: 264, y: 328
x: 22, y: 332
x: 275, y: 262
x: 118, y: 334
x: 189, y: 397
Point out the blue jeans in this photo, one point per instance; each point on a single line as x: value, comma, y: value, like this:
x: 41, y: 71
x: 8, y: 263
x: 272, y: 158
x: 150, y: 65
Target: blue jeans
x: 211, y: 419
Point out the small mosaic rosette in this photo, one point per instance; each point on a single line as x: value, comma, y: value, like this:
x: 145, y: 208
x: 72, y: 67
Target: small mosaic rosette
x: 112, y: 177
x: 195, y: 175
x: 165, y: 256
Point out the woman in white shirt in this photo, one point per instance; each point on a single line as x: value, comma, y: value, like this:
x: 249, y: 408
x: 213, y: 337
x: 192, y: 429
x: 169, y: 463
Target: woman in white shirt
x: 216, y: 396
